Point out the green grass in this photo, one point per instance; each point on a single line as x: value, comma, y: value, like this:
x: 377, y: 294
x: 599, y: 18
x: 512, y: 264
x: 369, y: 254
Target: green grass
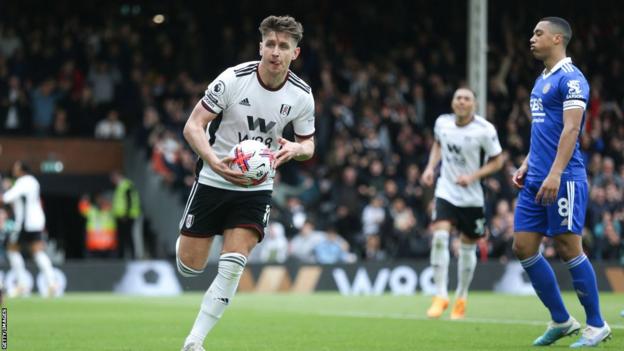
x: 319, y: 322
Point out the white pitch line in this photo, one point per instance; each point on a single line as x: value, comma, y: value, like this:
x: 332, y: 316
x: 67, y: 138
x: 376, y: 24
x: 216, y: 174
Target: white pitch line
x: 420, y: 318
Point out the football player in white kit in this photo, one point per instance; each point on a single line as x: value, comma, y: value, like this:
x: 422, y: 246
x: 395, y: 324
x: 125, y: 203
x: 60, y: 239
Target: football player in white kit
x: 468, y: 146
x: 24, y: 196
x: 253, y: 100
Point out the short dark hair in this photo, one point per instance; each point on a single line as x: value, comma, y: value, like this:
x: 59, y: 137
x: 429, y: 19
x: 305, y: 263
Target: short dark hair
x: 282, y: 24
x: 465, y: 87
x: 562, y: 27
x: 24, y: 166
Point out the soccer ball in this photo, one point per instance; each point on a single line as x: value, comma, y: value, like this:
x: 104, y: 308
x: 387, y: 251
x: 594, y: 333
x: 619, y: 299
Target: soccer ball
x: 254, y: 159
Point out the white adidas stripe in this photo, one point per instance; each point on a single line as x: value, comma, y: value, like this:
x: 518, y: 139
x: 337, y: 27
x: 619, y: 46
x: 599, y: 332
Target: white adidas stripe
x: 188, y: 204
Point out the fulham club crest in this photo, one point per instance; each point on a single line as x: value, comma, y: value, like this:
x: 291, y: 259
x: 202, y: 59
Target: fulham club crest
x: 189, y: 220
x: 285, y: 110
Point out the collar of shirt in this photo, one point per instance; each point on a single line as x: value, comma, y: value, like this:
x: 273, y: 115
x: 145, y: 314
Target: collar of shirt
x: 562, y: 62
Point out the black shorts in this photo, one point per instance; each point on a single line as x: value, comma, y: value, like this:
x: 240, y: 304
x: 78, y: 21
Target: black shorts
x: 209, y: 211
x: 468, y: 220
x: 24, y: 237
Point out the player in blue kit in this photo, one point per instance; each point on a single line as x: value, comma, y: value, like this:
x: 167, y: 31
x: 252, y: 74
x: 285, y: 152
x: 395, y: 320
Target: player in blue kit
x: 554, y: 187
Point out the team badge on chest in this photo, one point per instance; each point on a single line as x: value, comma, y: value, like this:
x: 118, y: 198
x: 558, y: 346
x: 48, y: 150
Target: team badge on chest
x: 285, y: 110
x: 546, y: 88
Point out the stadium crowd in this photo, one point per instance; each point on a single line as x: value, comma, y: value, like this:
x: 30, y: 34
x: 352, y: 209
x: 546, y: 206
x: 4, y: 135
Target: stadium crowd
x: 379, y: 84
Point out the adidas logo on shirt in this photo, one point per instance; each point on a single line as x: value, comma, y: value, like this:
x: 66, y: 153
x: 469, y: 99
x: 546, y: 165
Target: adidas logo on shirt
x: 245, y: 102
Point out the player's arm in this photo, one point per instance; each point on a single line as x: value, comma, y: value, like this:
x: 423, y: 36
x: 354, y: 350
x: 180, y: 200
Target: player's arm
x: 494, y: 164
x: 16, y: 191
x: 303, y: 147
x: 435, y: 155
x: 195, y: 135
x: 300, y: 150
x: 518, y: 176
x: 567, y: 141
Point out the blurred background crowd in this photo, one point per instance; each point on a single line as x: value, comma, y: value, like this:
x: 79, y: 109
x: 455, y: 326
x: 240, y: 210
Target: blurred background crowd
x: 380, y: 72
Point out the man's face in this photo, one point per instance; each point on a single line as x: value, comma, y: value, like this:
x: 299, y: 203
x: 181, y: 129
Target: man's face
x: 278, y: 50
x: 543, y: 40
x: 17, y: 169
x: 463, y: 103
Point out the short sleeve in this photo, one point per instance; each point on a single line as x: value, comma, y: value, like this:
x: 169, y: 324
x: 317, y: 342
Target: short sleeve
x: 304, y: 123
x: 436, y: 129
x: 217, y: 95
x: 490, y: 141
x: 575, y: 91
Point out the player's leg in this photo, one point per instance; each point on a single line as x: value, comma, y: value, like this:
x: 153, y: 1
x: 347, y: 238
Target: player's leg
x: 245, y: 221
x: 530, y: 220
x: 567, y: 215
x: 16, y: 262
x: 237, y: 244
x: 201, y: 220
x: 192, y: 254
x: 439, y: 256
x: 37, y: 248
x: 466, y: 265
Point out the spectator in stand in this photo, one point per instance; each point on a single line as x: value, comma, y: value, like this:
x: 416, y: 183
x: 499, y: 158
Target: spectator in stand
x: 303, y: 244
x: 608, y: 175
x: 14, y: 108
x: 333, y: 249
x: 103, y: 79
x: 274, y: 247
x: 110, y: 127
x: 44, y: 100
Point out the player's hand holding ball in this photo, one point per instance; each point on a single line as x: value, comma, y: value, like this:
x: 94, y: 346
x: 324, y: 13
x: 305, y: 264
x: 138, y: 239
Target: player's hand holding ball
x: 288, y: 150
x: 251, y: 161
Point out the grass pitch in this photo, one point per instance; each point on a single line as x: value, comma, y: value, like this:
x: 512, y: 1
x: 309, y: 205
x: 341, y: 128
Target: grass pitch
x: 318, y: 322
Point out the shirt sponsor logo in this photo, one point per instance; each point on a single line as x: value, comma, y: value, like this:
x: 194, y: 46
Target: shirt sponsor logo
x: 574, y: 90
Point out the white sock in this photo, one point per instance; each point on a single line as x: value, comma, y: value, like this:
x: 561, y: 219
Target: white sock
x: 439, y: 259
x: 45, y: 266
x: 466, y: 265
x: 218, y: 296
x: 17, y: 265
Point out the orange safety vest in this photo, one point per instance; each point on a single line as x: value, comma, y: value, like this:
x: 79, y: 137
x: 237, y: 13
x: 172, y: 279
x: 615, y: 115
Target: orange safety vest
x: 101, y: 227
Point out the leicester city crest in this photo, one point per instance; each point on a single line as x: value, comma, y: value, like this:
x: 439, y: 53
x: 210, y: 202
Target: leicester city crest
x: 189, y: 220
x: 546, y: 88
x: 285, y: 110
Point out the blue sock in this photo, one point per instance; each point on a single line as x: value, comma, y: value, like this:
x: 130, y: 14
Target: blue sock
x: 545, y: 284
x: 584, y: 280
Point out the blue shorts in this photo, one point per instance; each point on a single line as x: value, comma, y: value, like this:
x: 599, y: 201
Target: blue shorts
x: 566, y: 215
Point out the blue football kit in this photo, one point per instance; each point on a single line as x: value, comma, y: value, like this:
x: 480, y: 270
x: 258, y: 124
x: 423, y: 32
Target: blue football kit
x: 564, y: 87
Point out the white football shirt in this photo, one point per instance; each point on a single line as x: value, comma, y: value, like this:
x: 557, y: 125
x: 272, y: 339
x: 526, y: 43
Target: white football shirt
x: 247, y: 109
x: 25, y: 198
x: 464, y: 150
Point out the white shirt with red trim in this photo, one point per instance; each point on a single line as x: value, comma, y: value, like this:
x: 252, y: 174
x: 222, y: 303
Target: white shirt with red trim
x: 247, y: 109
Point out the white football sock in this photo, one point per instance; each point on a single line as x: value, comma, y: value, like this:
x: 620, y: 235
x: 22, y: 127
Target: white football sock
x: 439, y: 259
x: 218, y: 296
x: 466, y: 265
x: 17, y: 265
x: 45, y: 266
